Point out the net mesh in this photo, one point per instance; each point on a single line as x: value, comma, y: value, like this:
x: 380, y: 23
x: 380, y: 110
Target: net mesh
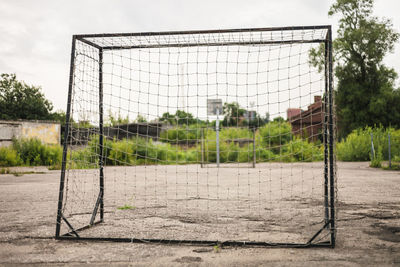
x: 173, y: 170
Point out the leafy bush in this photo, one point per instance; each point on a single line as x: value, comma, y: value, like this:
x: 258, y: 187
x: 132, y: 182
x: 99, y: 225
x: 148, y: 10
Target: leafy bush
x: 235, y: 133
x: 357, y: 145
x: 83, y: 159
x: 275, y: 134
x: 33, y: 152
x: 9, y: 157
x: 181, y: 134
x: 376, y: 162
x: 265, y: 155
x: 301, y: 150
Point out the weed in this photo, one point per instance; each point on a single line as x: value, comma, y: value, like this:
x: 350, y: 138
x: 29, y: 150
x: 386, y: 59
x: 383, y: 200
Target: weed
x: 217, y: 248
x: 5, y: 171
x: 126, y: 207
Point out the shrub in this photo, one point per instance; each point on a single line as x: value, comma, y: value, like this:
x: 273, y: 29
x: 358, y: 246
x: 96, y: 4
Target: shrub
x: 33, y: 152
x: 376, y: 162
x: 9, y: 157
x: 301, y: 150
x: 357, y: 145
x: 181, y: 134
x: 121, y: 153
x: 265, y: 155
x: 275, y: 134
x: 83, y: 159
x: 230, y: 133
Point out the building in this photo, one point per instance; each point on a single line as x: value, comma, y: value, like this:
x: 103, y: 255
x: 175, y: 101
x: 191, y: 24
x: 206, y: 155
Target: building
x: 307, y: 123
x: 46, y: 131
x: 81, y: 135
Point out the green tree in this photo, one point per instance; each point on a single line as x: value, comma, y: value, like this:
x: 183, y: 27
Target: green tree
x: 279, y: 119
x: 168, y: 118
x: 180, y: 117
x: 114, y: 120
x: 365, y: 93
x: 184, y: 118
x: 140, y: 119
x: 21, y: 101
x: 59, y: 116
x: 233, y: 114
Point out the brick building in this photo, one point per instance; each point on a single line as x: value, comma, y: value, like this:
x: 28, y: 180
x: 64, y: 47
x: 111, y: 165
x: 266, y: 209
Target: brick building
x: 307, y: 123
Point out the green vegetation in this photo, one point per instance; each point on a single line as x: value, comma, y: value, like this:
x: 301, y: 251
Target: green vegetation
x: 365, y: 91
x: 217, y: 248
x: 175, y: 147
x: 30, y: 152
x: 9, y: 157
x: 33, y: 153
x: 395, y: 164
x: 5, y: 171
x: 376, y: 162
x: 21, y: 101
x: 181, y: 134
x: 126, y: 207
x: 357, y: 145
x: 236, y: 145
x: 179, y: 118
x: 114, y: 120
x: 274, y: 143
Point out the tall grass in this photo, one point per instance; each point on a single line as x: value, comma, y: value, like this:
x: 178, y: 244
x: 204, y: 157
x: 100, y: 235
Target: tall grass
x: 9, y: 157
x: 357, y: 145
x: 30, y: 152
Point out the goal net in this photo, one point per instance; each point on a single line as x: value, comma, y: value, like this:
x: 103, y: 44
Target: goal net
x: 203, y: 137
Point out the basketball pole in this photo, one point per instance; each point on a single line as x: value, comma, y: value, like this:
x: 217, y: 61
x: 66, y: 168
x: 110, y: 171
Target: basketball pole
x: 217, y: 133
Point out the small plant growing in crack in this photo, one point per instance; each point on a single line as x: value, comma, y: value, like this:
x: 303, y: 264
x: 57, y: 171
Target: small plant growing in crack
x: 217, y: 248
x: 126, y: 207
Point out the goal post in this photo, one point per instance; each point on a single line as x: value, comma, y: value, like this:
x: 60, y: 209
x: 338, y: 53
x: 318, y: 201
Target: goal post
x: 148, y: 114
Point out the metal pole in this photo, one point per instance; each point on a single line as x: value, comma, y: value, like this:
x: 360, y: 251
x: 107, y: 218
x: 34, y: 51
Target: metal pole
x: 254, y: 147
x: 390, y: 156
x: 372, y: 147
x: 331, y: 143
x: 217, y: 133
x: 202, y: 147
x: 101, y: 154
x: 66, y: 133
x: 326, y: 156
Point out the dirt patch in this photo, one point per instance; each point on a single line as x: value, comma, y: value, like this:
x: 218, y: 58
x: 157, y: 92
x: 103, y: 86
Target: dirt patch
x: 385, y: 232
x: 188, y: 259
x: 368, y: 225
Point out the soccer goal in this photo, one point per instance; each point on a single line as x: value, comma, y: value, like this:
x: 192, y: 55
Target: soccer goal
x: 149, y: 113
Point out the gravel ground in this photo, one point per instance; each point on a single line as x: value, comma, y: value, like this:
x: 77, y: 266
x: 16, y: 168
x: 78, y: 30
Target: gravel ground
x: 368, y: 222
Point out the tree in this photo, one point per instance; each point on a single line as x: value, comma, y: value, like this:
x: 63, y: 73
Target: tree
x: 233, y: 114
x: 184, y: 118
x: 59, y: 116
x: 140, y: 119
x: 115, y: 120
x: 180, y: 117
x: 266, y: 119
x: 365, y: 93
x: 279, y: 119
x: 21, y: 101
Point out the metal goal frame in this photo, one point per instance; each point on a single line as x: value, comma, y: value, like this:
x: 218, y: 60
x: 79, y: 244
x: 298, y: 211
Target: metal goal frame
x: 329, y: 178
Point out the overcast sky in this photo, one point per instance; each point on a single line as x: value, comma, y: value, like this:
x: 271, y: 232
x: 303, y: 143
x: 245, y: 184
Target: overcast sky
x: 35, y: 36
